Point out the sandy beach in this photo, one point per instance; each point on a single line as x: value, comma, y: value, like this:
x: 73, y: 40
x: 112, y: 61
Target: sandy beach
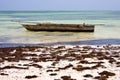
x: 60, y: 62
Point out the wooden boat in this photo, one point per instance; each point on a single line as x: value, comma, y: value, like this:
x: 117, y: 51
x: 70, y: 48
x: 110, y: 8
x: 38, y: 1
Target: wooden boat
x: 58, y: 27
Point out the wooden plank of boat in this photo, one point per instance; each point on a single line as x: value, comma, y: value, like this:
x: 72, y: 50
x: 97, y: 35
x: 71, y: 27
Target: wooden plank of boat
x: 58, y: 27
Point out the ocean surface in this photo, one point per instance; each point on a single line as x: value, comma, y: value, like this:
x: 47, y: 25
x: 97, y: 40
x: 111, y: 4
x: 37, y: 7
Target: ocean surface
x: 107, y: 26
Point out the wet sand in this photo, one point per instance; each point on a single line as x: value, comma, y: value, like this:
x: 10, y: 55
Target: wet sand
x: 60, y: 62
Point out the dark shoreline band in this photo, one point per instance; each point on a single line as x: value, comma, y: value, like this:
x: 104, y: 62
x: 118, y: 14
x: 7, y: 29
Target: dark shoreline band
x: 86, y: 42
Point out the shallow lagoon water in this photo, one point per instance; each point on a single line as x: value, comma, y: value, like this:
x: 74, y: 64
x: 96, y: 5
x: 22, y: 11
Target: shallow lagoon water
x: 107, y: 26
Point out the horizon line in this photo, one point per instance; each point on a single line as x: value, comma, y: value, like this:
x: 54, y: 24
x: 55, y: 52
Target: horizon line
x: 59, y: 10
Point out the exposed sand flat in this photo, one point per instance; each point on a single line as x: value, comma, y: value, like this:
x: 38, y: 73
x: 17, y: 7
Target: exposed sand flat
x: 60, y: 62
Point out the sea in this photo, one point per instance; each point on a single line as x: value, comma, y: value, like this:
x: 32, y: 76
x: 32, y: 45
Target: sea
x: 107, y: 26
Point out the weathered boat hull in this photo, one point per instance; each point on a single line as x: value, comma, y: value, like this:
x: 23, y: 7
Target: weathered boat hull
x: 59, y: 27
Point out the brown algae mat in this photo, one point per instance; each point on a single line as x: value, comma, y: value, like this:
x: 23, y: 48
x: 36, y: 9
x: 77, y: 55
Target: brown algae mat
x: 60, y: 62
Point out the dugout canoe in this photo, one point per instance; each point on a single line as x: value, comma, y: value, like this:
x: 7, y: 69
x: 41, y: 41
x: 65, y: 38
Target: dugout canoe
x: 58, y: 27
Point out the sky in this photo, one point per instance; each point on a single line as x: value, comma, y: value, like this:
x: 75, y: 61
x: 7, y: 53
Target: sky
x: 43, y: 5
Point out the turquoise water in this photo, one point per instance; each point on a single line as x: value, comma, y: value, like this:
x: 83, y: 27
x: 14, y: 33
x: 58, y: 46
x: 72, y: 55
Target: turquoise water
x: 107, y: 26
